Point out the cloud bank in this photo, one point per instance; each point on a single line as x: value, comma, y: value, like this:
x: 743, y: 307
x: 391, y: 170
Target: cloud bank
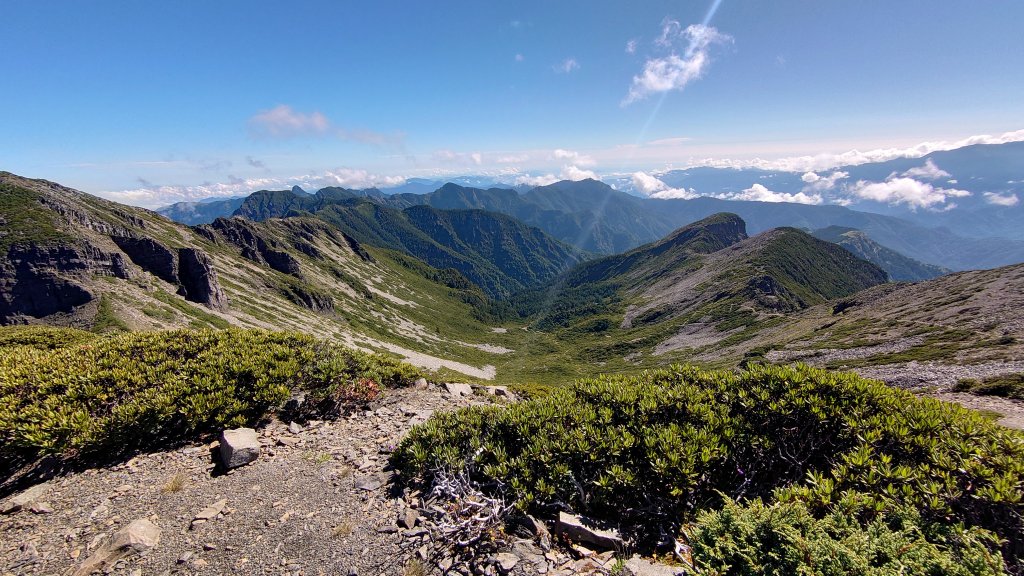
x: 830, y: 161
x: 902, y: 190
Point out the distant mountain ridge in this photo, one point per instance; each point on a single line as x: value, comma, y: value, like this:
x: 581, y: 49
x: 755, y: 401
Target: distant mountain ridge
x: 898, y: 266
x: 594, y: 217
x: 498, y: 253
x: 703, y: 283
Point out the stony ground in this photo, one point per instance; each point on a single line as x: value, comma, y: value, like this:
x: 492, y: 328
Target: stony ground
x: 318, y: 500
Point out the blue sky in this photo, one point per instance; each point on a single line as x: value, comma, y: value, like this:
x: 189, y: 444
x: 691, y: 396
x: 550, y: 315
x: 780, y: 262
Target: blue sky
x: 154, y: 102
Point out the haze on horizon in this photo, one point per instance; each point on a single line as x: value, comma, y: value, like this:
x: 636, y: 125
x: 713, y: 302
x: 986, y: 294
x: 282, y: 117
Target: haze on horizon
x: 150, y: 104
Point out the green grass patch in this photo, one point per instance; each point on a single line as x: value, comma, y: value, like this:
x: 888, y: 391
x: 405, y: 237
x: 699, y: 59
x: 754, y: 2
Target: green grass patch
x: 25, y: 219
x: 200, y: 317
x: 106, y: 319
x: 1005, y: 386
x: 41, y: 337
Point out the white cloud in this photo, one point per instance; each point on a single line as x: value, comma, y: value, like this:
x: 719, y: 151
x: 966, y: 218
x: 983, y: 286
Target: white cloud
x: 283, y: 122
x: 453, y: 157
x: 759, y: 193
x: 350, y: 178
x: 572, y: 172
x: 929, y: 171
x: 902, y: 190
x: 543, y: 180
x: 152, y: 196
x: 1001, y: 199
x: 569, y: 172
x: 651, y: 186
x: 519, y: 57
x: 631, y: 47
x: 566, y: 66
x: 674, y: 72
x: 573, y: 157
x: 817, y: 183
x: 512, y: 159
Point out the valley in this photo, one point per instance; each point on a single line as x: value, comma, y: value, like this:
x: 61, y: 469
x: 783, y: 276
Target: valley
x: 479, y: 296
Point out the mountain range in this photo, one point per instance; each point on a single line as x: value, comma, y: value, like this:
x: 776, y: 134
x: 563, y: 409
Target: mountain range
x: 594, y: 217
x: 482, y: 294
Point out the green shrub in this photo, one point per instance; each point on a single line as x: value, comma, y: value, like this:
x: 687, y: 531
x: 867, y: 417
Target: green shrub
x: 785, y: 538
x: 649, y: 452
x: 125, y: 392
x: 41, y: 337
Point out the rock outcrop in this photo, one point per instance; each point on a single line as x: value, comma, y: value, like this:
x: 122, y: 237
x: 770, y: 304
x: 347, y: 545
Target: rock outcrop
x: 198, y: 279
x: 255, y: 246
x: 188, y: 268
x: 151, y: 256
x: 37, y: 281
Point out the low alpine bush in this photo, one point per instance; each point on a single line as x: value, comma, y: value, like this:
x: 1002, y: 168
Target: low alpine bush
x: 120, y: 393
x: 651, y: 452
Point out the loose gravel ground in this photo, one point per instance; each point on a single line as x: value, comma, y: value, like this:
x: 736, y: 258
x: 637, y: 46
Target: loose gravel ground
x: 316, y: 502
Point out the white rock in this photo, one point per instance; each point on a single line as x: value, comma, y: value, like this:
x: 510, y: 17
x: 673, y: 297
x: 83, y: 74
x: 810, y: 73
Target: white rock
x: 506, y: 561
x: 420, y: 384
x: 458, y: 390
x: 581, y: 530
x: 24, y: 499
x: 137, y: 537
x: 210, y: 512
x: 239, y: 447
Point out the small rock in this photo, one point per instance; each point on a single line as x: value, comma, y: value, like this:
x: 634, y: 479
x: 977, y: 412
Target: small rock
x: 185, y: 557
x: 526, y: 550
x: 209, y: 513
x: 295, y: 428
x: 137, y: 537
x: 539, y: 531
x: 506, y: 561
x: 199, y: 563
x: 209, y: 547
x: 40, y: 508
x: 239, y: 447
x: 637, y: 566
x: 407, y: 518
x: 458, y: 390
x: 581, y: 530
x: 369, y: 482
x: 24, y: 499
x: 420, y: 384
x: 287, y: 441
x: 498, y: 391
